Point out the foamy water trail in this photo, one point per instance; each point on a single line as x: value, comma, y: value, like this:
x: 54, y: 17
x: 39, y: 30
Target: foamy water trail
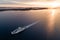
x: 20, y: 29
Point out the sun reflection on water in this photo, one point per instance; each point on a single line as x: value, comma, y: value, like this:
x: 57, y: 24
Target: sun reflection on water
x: 51, y: 20
x: 53, y: 12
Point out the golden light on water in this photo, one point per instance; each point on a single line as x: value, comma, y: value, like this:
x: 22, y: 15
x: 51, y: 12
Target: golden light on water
x: 53, y: 12
x: 51, y: 22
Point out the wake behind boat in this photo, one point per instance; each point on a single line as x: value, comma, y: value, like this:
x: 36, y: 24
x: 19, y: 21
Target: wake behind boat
x: 20, y: 29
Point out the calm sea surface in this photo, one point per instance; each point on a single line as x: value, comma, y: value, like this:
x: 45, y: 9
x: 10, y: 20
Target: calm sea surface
x: 48, y: 27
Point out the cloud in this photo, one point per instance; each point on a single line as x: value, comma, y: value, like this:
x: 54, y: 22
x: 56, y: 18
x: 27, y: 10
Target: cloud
x: 21, y: 1
x: 7, y: 2
x: 14, y: 1
x: 11, y: 1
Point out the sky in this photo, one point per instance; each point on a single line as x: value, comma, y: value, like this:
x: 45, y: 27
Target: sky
x: 18, y: 1
x: 23, y: 2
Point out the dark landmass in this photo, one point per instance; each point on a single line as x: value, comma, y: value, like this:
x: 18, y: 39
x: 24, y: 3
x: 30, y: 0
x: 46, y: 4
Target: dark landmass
x: 20, y: 8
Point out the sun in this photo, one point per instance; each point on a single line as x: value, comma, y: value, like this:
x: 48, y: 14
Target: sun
x: 44, y: 4
x: 54, y: 4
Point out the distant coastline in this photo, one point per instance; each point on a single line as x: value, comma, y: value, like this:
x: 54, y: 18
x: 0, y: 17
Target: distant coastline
x: 20, y: 8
